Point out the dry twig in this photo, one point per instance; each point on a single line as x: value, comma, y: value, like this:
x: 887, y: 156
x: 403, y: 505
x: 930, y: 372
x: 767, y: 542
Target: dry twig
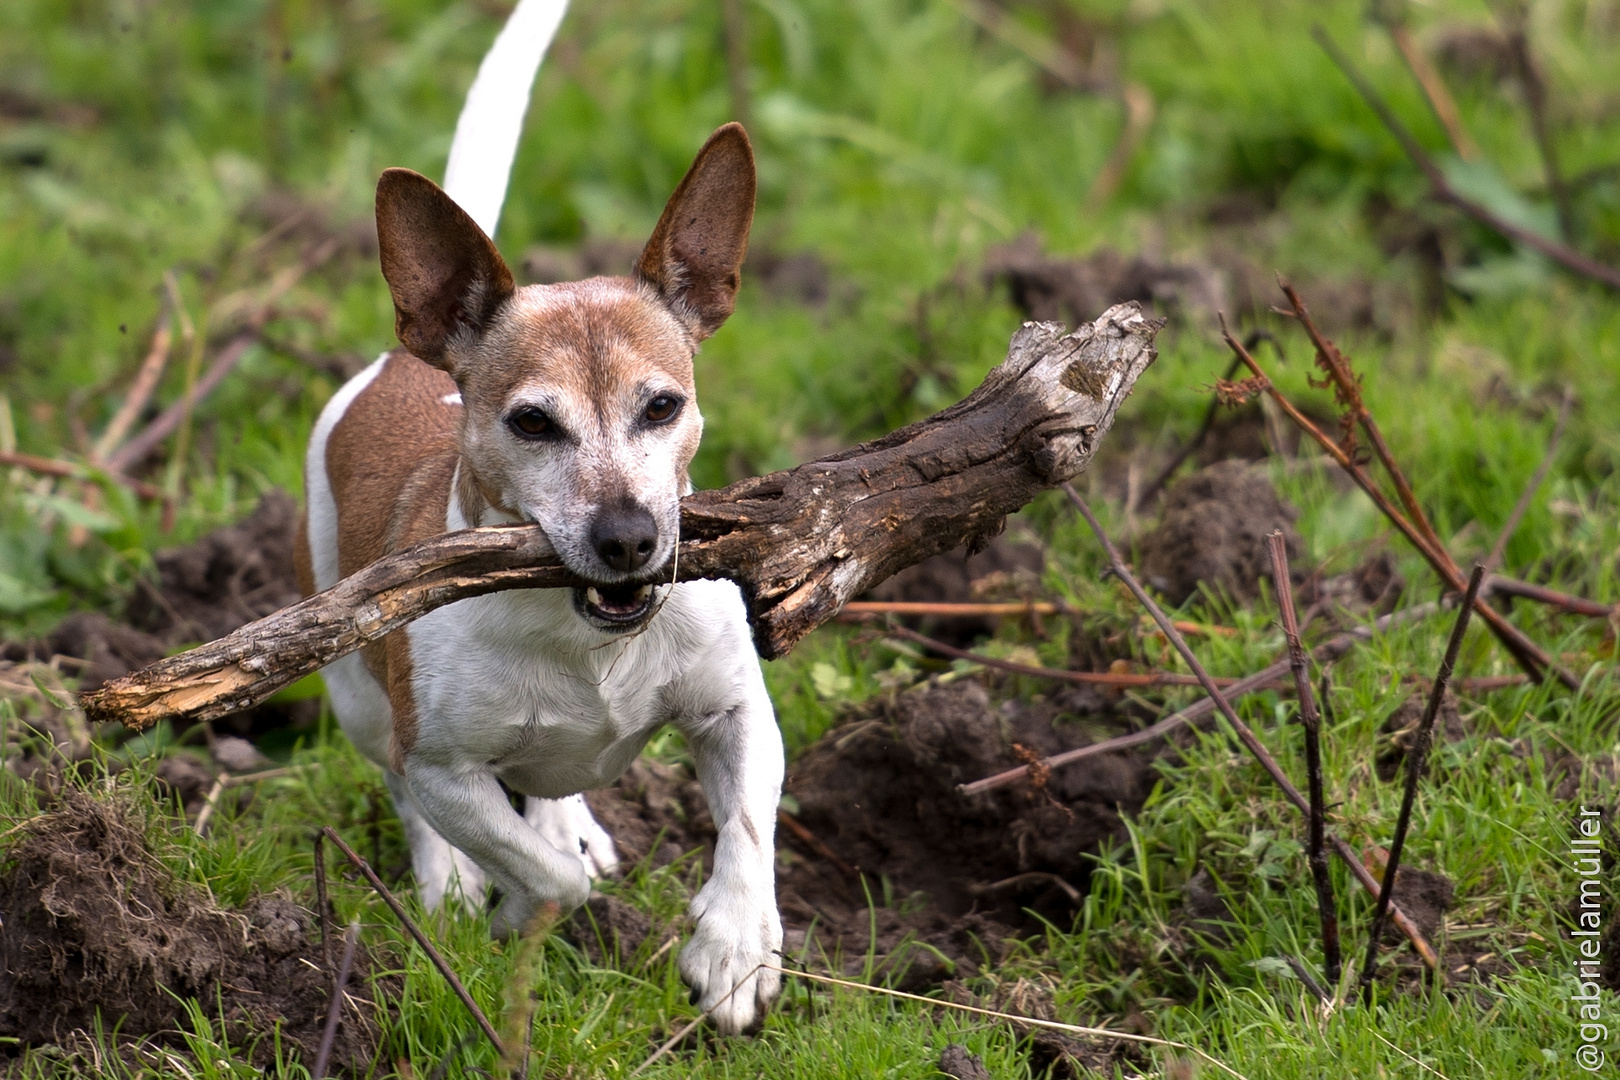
x: 421, y: 938
x: 1316, y: 853
x: 146, y: 378
x: 1118, y: 679
x: 1416, y: 757
x: 1244, y: 733
x: 1532, y: 657
x: 334, y: 1011
x: 1516, y: 25
x: 1434, y: 89
x: 1012, y: 1018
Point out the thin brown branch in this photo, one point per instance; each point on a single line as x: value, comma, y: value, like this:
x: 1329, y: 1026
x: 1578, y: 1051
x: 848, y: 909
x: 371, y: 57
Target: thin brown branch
x: 1415, y: 760
x: 1243, y: 732
x: 324, y: 906
x: 1516, y: 21
x: 1316, y: 853
x: 948, y: 610
x: 1443, y: 191
x: 799, y: 543
x: 1117, y: 679
x: 1013, y: 1018
x: 1520, y: 508
x: 334, y: 1011
x: 1043, y: 51
x: 1532, y: 657
x: 1260, y: 680
x: 814, y: 842
x: 146, y: 380
x: 67, y: 470
x: 1137, y: 102
x: 421, y: 938
x: 1575, y: 605
x: 1338, y: 368
x: 1434, y: 90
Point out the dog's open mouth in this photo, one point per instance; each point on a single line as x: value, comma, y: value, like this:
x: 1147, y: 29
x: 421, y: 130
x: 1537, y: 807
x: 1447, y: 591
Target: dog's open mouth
x: 615, y: 605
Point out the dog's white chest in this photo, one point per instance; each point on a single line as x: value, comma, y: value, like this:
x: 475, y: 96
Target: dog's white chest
x: 515, y: 683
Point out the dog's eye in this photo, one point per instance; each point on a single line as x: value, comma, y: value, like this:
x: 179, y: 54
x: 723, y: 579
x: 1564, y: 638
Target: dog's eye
x: 662, y: 408
x: 531, y: 423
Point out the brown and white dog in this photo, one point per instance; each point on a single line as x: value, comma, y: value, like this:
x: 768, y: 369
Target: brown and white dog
x: 572, y: 406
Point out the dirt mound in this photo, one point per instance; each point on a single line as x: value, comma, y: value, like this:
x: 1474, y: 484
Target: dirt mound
x: 1074, y: 291
x: 1214, y: 532
x: 204, y: 590
x: 95, y: 923
x: 1399, y: 732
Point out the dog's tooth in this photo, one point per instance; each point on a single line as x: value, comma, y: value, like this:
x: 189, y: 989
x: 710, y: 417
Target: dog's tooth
x: 593, y: 597
x: 644, y: 592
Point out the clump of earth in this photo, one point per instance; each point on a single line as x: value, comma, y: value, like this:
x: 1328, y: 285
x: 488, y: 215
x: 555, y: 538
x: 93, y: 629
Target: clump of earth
x: 96, y: 923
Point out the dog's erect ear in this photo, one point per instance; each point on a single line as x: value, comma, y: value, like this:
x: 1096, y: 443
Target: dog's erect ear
x: 695, y: 256
x: 446, y: 276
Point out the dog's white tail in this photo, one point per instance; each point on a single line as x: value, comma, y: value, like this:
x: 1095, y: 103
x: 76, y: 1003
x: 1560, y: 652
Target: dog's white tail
x: 492, y: 119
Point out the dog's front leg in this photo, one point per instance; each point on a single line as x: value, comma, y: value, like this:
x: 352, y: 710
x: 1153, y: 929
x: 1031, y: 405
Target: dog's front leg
x: 738, y: 754
x: 468, y: 808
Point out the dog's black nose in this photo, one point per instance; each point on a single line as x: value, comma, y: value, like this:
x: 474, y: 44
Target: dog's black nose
x: 624, y: 536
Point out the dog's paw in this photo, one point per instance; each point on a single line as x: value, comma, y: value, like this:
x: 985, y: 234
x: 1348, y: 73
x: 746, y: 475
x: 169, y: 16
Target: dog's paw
x: 568, y: 825
x: 722, y: 962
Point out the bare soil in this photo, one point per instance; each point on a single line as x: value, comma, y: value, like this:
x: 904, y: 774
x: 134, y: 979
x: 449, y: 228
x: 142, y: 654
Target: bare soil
x: 95, y: 923
x: 1213, y: 533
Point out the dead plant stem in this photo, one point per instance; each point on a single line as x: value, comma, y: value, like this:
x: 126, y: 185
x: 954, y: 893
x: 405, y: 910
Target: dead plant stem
x: 1315, y: 851
x: 1416, y: 758
x: 421, y: 938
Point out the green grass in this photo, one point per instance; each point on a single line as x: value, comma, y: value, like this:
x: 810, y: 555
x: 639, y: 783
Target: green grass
x: 898, y: 143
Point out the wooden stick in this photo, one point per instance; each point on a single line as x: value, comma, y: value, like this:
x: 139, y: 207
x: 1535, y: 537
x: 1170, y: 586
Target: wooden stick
x: 799, y: 543
x: 1520, y: 508
x: 421, y: 938
x: 1316, y: 852
x: 814, y: 842
x: 209, y: 802
x: 1444, y: 192
x: 1515, y: 22
x: 947, y: 610
x: 325, y: 913
x: 1575, y: 605
x: 1244, y: 733
x: 1337, y: 367
x: 1415, y: 760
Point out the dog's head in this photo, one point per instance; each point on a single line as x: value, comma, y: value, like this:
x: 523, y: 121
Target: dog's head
x: 580, y: 411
